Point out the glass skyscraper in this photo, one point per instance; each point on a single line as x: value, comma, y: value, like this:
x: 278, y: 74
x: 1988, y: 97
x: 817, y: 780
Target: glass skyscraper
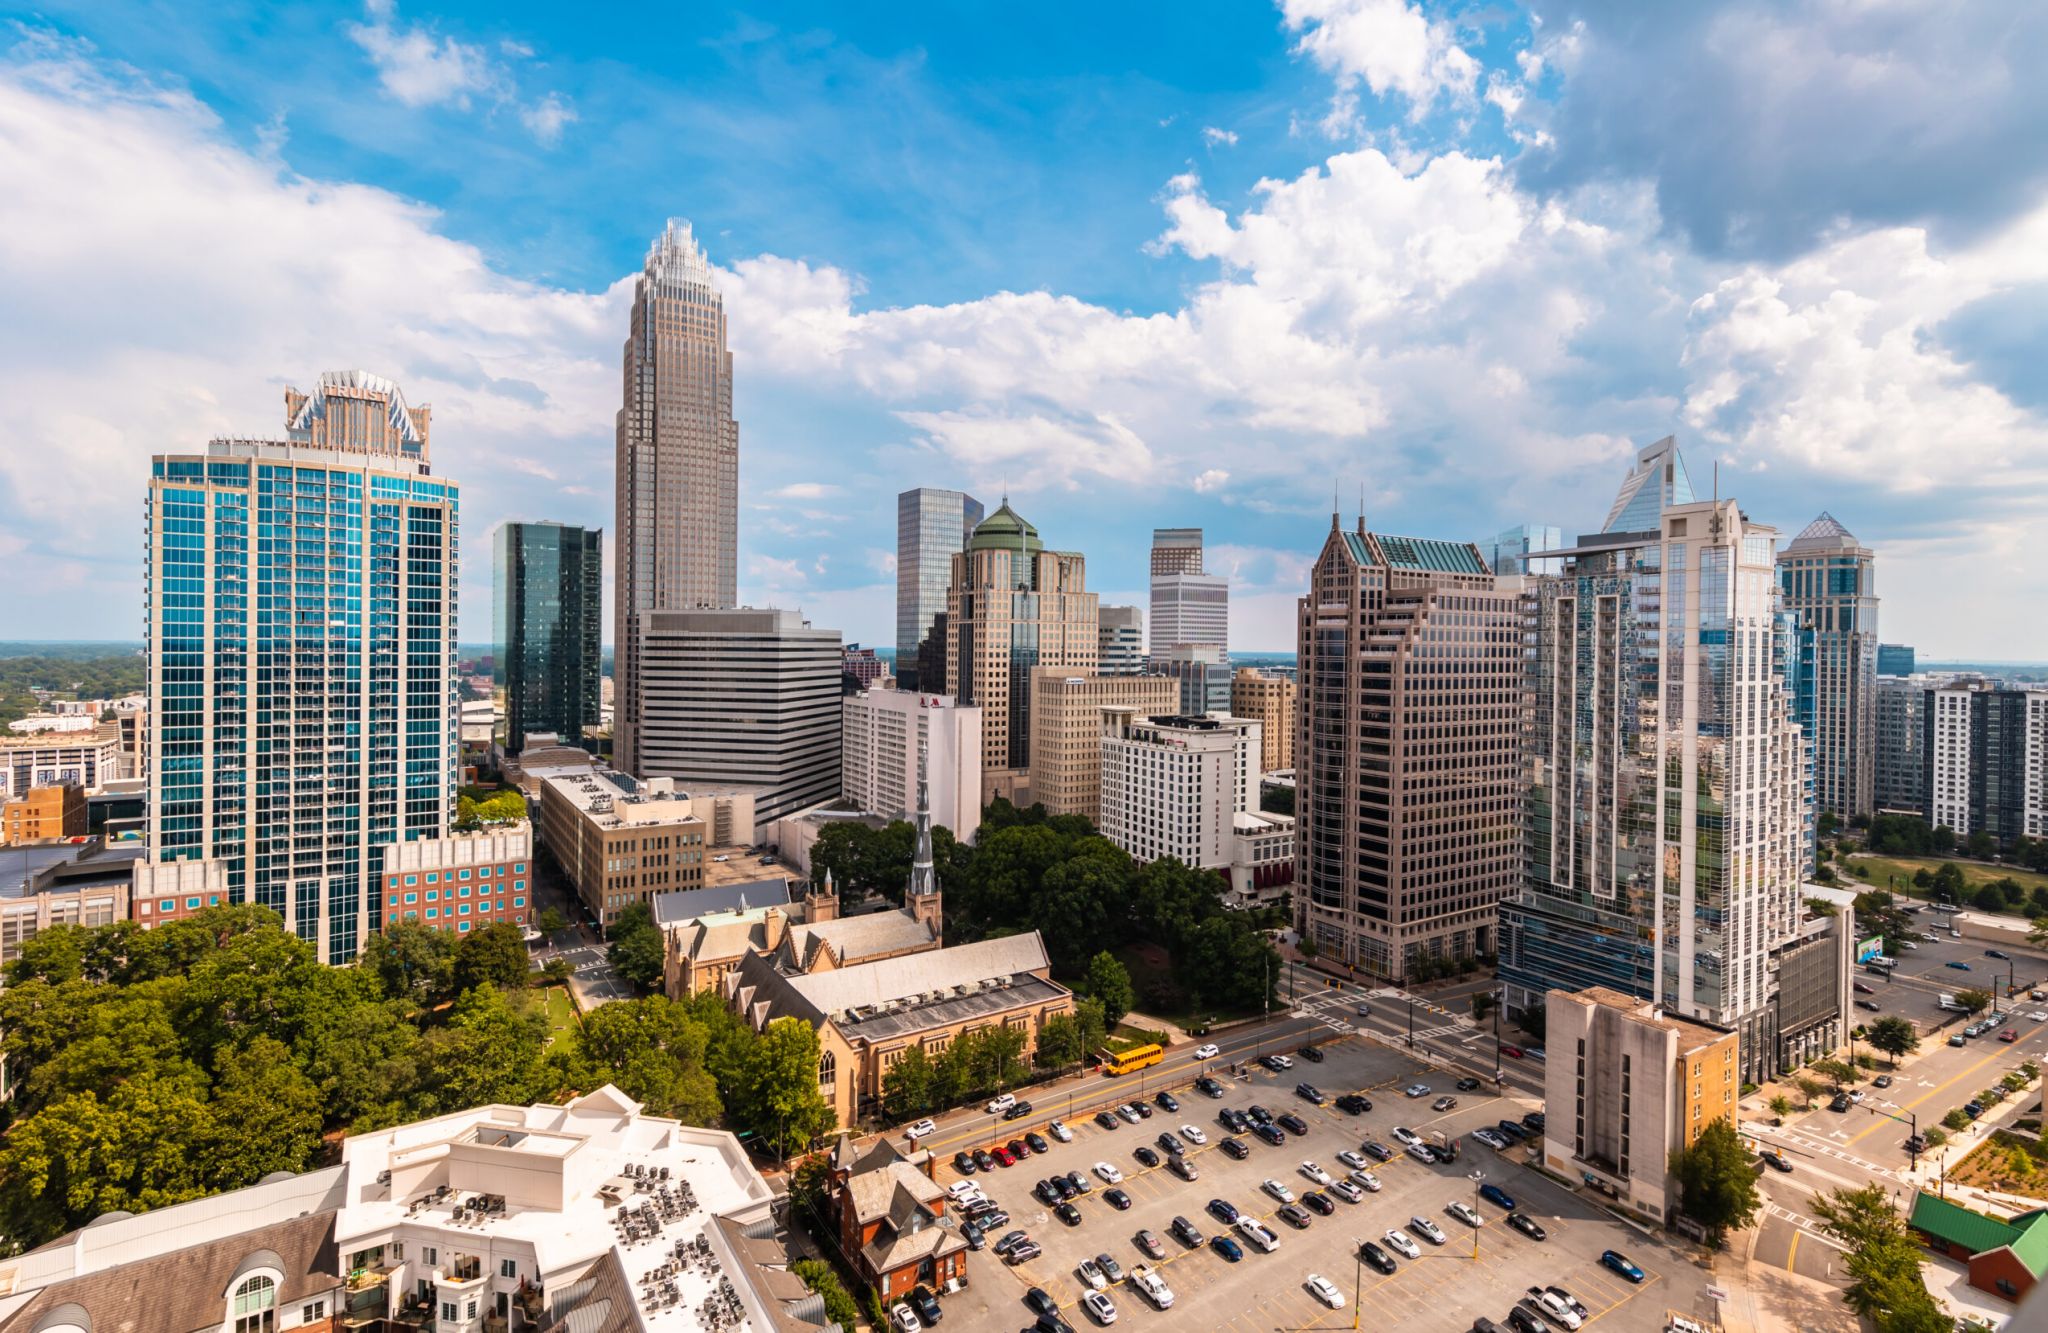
x: 1829, y: 582
x: 932, y: 526
x: 300, y: 597
x: 548, y: 620
x: 1508, y: 552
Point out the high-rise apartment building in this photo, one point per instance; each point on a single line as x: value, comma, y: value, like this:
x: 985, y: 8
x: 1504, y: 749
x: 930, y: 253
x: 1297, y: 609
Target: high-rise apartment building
x: 1900, y: 767
x: 1012, y: 605
x: 1269, y: 701
x: 1172, y: 786
x: 548, y: 623
x: 300, y: 610
x: 1202, y: 670
x: 1826, y: 578
x: 1066, y: 731
x: 1188, y: 605
x: 864, y: 665
x: 1985, y: 760
x: 1895, y: 659
x: 932, y: 526
x: 742, y: 698
x: 1408, y: 750
x: 676, y: 531
x: 1120, y: 641
x: 1667, y: 807
x: 886, y: 733
x: 1508, y: 552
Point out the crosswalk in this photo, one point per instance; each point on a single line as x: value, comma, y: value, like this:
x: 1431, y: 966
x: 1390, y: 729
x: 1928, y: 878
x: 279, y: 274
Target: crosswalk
x: 1805, y: 1224
x: 1809, y: 1142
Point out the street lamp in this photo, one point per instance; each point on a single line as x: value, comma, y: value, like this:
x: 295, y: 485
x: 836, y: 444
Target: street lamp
x: 1478, y: 1178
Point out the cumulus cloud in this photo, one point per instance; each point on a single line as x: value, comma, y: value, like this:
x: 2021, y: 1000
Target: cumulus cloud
x: 421, y: 67
x: 1389, y: 45
x: 1214, y: 479
x: 1219, y: 138
x: 547, y: 118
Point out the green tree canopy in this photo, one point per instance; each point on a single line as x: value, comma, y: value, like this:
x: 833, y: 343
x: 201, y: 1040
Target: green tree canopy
x: 1110, y: 984
x: 1895, y: 1036
x: 1973, y: 1001
x: 636, y: 950
x: 492, y: 955
x: 1717, y: 1181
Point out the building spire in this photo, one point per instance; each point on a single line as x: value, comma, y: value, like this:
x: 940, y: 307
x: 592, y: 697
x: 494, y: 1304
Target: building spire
x: 924, y: 876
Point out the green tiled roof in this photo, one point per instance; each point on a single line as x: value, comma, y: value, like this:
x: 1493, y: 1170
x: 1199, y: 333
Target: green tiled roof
x: 1959, y: 1226
x: 1428, y: 553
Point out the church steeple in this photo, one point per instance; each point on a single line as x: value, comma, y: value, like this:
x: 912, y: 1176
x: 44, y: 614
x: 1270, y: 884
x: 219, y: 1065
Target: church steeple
x: 921, y: 893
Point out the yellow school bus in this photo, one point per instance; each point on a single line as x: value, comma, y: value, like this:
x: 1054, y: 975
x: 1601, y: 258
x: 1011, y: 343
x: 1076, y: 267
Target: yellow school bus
x: 1136, y: 1058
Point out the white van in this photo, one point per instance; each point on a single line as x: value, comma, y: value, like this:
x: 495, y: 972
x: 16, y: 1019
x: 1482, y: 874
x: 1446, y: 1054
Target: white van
x: 1000, y: 1103
x: 1948, y: 1002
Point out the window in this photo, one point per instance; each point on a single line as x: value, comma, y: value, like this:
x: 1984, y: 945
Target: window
x: 508, y: 1268
x: 432, y: 877
x: 828, y: 1072
x: 313, y: 1313
x: 254, y: 1305
x: 167, y: 905
x: 412, y: 879
x: 191, y: 904
x: 449, y: 1313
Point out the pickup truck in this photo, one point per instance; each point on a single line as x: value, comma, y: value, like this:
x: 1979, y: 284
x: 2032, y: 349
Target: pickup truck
x: 1147, y: 1280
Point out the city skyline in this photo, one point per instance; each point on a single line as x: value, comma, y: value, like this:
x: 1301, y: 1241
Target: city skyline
x: 1591, y: 295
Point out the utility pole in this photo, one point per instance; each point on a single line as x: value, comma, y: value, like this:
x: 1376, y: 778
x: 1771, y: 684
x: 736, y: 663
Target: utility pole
x: 1478, y: 1178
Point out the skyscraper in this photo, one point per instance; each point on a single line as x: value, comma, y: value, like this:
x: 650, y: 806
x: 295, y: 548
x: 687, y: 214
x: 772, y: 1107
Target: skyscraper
x: 1985, y: 760
x: 1895, y: 659
x: 300, y: 621
x: 1201, y: 670
x: 1667, y: 808
x: 1012, y: 605
x: 932, y: 526
x: 1508, y: 552
x: 676, y: 532
x: 1271, y: 702
x: 1407, y: 764
x: 1826, y: 579
x: 1120, y: 642
x: 1901, y: 770
x: 548, y: 624
x: 1188, y: 605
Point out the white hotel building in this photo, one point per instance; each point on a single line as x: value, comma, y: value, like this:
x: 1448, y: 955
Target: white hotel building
x: 882, y: 734
x: 1172, y: 786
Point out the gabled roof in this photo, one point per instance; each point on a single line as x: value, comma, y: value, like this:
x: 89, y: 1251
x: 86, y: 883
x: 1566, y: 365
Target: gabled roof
x: 1958, y: 1225
x: 688, y: 904
x: 1428, y: 554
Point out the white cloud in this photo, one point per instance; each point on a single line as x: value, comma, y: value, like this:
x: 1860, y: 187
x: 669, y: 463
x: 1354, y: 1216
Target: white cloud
x: 1214, y: 479
x: 421, y: 68
x: 1392, y: 46
x: 805, y: 490
x: 1219, y: 138
x: 547, y: 118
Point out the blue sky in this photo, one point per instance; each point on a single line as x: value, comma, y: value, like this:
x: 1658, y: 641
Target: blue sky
x: 1185, y: 265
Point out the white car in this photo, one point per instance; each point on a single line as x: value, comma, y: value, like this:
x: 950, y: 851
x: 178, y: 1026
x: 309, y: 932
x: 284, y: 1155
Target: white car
x: 1315, y: 1172
x: 1366, y: 1180
x: 1347, y: 1191
x: 1463, y: 1212
x: 1398, y: 1240
x: 920, y: 1129
x: 1098, y: 1304
x: 2038, y: 1016
x: 1422, y: 1153
x: 904, y: 1319
x: 1206, y: 1051
x: 1091, y: 1273
x: 1257, y: 1236
x: 1427, y: 1229
x: 1326, y: 1291
x: 1554, y: 1307
x: 1110, y: 1175
x: 1000, y: 1103
x: 1194, y: 1134
x: 1278, y: 1191
x: 1356, y: 1161
x: 1855, y: 1094
x: 1128, y: 1114
x: 1405, y: 1136
x: 1490, y: 1138
x: 963, y: 1190
x: 1059, y: 1131
x: 1284, y: 1061
x: 1416, y: 1090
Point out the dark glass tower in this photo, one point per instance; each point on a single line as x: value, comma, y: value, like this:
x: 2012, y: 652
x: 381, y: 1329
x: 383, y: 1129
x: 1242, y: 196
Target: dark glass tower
x: 548, y: 617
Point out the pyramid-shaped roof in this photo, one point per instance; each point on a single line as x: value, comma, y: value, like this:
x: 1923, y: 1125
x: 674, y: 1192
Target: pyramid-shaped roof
x: 1826, y: 530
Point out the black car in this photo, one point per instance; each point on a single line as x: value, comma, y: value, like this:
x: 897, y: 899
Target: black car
x: 1144, y: 1110
x: 1870, y: 1006
x: 1045, y: 1193
x: 1223, y: 1211
x: 1106, y: 1120
x: 1840, y: 1102
x: 1353, y: 1104
x: 1514, y: 1131
x: 1068, y: 1213
x: 1533, y: 1121
x: 1118, y: 1199
x: 1018, y: 1112
x: 1270, y: 1133
x: 1167, y: 1102
x: 1145, y: 1156
x: 972, y: 1233
x: 926, y: 1305
x: 994, y: 1217
x: 1377, y: 1257
x: 1237, y: 1122
x: 1775, y: 1160
x: 1235, y: 1148
x: 1184, y: 1231
x: 1309, y: 1093
x: 964, y: 1164
x: 1036, y: 1142
x: 1010, y: 1240
x: 2000, y: 954
x: 1079, y: 1182
x: 984, y: 1160
x: 1528, y: 1226
x: 1226, y: 1247
x: 1293, y: 1124
x: 1208, y: 1087
x: 1379, y: 1152
x: 1039, y: 1301
x: 1183, y: 1168
x: 1319, y: 1201
x: 1168, y: 1141
x: 1051, y: 1323
x: 1272, y: 1062
x: 1468, y: 1084
x: 1523, y: 1320
x: 1314, y: 1053
x: 1259, y: 1114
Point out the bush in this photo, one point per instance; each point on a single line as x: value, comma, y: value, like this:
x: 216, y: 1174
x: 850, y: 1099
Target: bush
x: 1935, y: 1137
x: 819, y: 1277
x: 1956, y: 1119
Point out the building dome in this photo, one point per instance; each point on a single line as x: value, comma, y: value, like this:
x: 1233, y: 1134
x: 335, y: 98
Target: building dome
x: 1005, y: 530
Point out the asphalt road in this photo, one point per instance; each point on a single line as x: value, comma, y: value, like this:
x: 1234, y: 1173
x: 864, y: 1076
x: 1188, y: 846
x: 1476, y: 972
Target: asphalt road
x: 1445, y: 1032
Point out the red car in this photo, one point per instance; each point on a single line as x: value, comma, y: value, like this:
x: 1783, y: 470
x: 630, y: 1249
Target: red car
x: 1512, y: 1052
x: 1003, y: 1154
x: 2008, y: 1035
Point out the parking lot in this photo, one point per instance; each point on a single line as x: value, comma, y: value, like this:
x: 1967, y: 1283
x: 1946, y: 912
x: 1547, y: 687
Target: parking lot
x: 1445, y: 1288
x: 1914, y: 988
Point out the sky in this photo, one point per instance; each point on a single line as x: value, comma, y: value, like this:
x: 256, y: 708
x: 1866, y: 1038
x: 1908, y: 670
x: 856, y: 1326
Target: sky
x: 1214, y: 265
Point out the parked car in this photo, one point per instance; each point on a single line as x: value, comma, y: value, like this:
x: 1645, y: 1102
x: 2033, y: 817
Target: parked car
x: 1514, y: 1131
x: 1149, y: 1245
x: 1380, y: 1260
x: 1068, y: 1213
x: 903, y: 1320
x: 1319, y: 1201
x: 1416, y: 1090
x: 972, y: 1233
x: 1325, y: 1291
x: 1225, y: 1211
x: 2000, y: 954
x: 1036, y: 1142
x: 1309, y: 1093
x: 1228, y: 1248
x: 1314, y: 1171
x: 1279, y: 1191
x: 1024, y: 1254
x: 1294, y: 1215
x: 1376, y: 1150
x: 1194, y: 1134
x: 1620, y: 1263
x: 1881, y: 1081
x: 926, y: 1305
x: 1960, y: 967
x: 1443, y: 1103
x: 1146, y: 1157
x: 1170, y: 1142
x: 1840, y: 1102
x: 1106, y: 1120
x: 964, y: 1164
x: 1314, y: 1053
x: 1099, y: 1305
x: 1183, y: 1168
x: 1208, y: 1087
x: 1111, y: 1269
x: 1463, y: 1212
x: 1348, y: 1190
x: 1127, y: 1113
x: 1399, y: 1241
x: 1117, y: 1199
x: 1492, y: 1138
x: 1270, y: 1133
x: 1353, y: 1104
x: 1167, y: 1101
x: 1468, y: 1084
x: 1235, y: 1148
x: 1427, y: 1229
x: 1184, y: 1231
x: 1405, y: 1136
x: 1010, y: 1241
x: 1058, y: 1129
x: 1497, y: 1196
x: 921, y: 1128
x: 1528, y: 1226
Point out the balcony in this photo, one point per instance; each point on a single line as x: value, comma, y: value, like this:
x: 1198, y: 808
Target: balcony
x: 362, y: 1279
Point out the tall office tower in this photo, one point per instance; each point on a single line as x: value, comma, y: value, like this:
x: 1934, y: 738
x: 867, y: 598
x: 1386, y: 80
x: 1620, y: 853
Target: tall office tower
x: 932, y: 526
x: 1188, y: 606
x: 676, y: 531
x: 300, y: 604
x: 1120, y: 641
x: 1985, y: 760
x: 1508, y: 552
x: 1012, y: 605
x: 1408, y: 756
x: 886, y: 734
x: 1202, y: 670
x: 742, y: 698
x: 1066, y: 731
x: 1171, y: 785
x: 1900, y: 767
x: 1176, y: 551
x: 548, y: 623
x: 1826, y: 579
x: 1269, y: 701
x: 1667, y: 809
x: 1895, y: 659
x: 929, y: 675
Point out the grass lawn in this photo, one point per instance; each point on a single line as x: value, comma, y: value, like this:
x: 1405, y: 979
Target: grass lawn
x: 561, y: 1012
x: 1127, y: 1036
x: 1878, y: 872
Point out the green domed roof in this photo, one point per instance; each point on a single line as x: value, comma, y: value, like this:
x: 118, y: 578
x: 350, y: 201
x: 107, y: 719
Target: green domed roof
x: 1005, y: 530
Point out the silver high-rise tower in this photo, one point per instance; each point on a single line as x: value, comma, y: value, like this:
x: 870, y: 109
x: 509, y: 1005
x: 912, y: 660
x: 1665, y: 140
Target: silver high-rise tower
x: 676, y: 534
x: 931, y: 527
x: 1828, y: 581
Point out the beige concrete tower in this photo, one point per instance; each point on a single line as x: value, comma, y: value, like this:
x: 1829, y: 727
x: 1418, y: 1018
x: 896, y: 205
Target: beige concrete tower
x: 1268, y: 700
x: 677, y: 480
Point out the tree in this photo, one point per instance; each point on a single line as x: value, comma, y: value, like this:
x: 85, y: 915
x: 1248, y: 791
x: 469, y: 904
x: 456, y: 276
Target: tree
x: 1809, y: 1088
x: 653, y: 1049
x: 143, y: 1147
x: 557, y: 970
x: 266, y: 1115
x: 1277, y: 800
x: 1835, y: 1072
x: 907, y: 1084
x: 1894, y: 1036
x: 493, y: 955
x: 1973, y: 1001
x: 636, y: 950
x: 1942, y: 842
x: 1883, y: 1262
x: 1110, y: 983
x: 1482, y: 1005
x: 490, y: 1051
x: 414, y: 962
x: 816, y: 1274
x: 1716, y: 1181
x: 1981, y: 845
x: 1781, y: 1106
x: 550, y: 921
x: 781, y: 1101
